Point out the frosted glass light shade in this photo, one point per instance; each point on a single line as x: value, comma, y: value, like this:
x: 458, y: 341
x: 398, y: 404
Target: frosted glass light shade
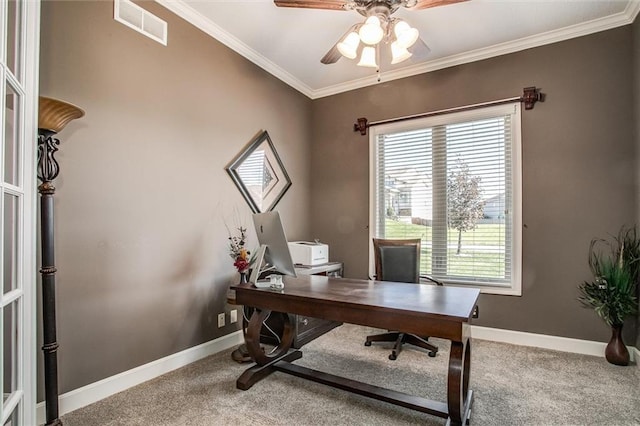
x: 399, y: 53
x: 405, y: 35
x: 371, y: 32
x: 349, y: 46
x: 368, y: 57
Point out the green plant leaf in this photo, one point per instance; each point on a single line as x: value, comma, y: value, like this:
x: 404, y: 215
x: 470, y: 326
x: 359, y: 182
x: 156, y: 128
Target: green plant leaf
x: 615, y: 266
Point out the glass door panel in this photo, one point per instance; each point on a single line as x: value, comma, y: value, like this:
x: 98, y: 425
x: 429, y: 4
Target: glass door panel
x: 10, y: 235
x: 11, y: 139
x: 13, y: 420
x: 13, y: 36
x: 10, y: 334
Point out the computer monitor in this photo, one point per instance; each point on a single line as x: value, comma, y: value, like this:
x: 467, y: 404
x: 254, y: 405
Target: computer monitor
x: 273, y: 254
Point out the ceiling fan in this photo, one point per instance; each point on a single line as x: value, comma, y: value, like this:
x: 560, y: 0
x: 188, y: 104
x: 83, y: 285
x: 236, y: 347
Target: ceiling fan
x: 378, y: 27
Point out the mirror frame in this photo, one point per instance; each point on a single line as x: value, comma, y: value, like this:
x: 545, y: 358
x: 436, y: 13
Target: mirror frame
x: 276, y: 167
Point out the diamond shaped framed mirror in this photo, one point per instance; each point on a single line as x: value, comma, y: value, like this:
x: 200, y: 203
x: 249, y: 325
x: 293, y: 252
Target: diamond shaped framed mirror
x: 259, y: 174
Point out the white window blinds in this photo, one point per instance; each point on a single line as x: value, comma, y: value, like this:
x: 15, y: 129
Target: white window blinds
x: 453, y: 181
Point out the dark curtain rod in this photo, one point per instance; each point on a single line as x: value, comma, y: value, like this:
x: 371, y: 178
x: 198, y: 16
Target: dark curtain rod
x: 530, y: 96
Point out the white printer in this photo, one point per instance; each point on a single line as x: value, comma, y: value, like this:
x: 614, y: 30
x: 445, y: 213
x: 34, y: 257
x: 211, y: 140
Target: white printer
x: 309, y: 253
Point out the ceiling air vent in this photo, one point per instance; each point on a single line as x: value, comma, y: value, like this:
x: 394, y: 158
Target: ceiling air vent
x: 133, y: 16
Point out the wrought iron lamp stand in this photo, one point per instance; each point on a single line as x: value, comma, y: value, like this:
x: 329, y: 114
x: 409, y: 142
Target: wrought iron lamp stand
x: 53, y: 116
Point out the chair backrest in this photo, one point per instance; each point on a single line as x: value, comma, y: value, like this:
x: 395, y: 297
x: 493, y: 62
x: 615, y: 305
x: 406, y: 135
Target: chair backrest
x: 397, y: 260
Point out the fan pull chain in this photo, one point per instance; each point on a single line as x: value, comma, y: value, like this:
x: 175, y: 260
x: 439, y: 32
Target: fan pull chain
x: 378, y: 61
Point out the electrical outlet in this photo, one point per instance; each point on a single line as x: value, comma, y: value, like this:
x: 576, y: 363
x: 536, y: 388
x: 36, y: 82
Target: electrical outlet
x: 221, y: 320
x: 233, y: 316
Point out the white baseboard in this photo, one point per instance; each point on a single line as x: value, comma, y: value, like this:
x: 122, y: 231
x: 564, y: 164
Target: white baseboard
x: 564, y: 344
x: 94, y: 392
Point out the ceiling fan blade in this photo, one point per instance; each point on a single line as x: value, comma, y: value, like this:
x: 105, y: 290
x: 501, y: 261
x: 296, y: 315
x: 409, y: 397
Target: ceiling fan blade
x: 332, y: 56
x: 424, y: 4
x: 313, y: 4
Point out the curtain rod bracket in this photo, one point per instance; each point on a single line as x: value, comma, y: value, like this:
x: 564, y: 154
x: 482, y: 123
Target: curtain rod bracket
x: 361, y: 126
x: 530, y: 96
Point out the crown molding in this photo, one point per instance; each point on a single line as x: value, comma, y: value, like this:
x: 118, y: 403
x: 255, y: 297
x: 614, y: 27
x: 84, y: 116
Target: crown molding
x: 613, y: 21
x: 200, y: 21
x: 203, y: 23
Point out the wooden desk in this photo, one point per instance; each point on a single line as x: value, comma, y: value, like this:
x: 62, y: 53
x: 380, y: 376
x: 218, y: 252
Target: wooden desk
x: 436, y: 311
x: 305, y: 328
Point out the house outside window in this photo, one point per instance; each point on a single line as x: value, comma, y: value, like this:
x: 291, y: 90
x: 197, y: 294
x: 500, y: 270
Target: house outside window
x: 454, y: 181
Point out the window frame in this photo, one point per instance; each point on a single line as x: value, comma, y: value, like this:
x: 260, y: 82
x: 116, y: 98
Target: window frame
x: 515, y: 286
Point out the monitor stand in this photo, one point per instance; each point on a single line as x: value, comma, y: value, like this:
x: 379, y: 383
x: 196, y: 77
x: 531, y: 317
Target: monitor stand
x: 258, y: 269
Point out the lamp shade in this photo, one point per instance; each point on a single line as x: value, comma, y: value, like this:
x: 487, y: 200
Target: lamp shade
x: 368, y: 57
x: 405, y: 35
x: 371, y: 32
x: 399, y: 53
x: 53, y: 114
x: 349, y: 46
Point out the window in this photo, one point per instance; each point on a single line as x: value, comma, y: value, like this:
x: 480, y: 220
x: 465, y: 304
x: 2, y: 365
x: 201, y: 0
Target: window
x: 453, y: 180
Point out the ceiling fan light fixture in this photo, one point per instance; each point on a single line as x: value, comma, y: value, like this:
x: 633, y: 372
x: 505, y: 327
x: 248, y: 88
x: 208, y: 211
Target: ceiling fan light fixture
x: 399, y: 53
x: 406, y: 36
x: 368, y: 57
x: 371, y: 32
x: 349, y: 46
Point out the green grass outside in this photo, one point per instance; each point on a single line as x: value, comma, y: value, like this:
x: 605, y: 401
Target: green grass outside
x: 470, y: 261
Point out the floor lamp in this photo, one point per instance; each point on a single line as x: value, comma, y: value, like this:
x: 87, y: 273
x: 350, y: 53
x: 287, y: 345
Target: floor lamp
x: 53, y: 116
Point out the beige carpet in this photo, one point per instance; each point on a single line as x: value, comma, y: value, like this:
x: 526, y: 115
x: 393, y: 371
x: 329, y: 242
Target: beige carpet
x: 513, y: 385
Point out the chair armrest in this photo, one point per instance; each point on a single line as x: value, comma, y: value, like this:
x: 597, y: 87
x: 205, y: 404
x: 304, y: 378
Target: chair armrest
x: 433, y: 280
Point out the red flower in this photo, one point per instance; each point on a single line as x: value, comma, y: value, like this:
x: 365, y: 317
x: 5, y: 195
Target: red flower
x: 241, y: 264
x: 238, y: 252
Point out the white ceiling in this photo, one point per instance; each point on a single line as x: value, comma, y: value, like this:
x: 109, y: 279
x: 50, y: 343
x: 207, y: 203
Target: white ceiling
x: 289, y: 42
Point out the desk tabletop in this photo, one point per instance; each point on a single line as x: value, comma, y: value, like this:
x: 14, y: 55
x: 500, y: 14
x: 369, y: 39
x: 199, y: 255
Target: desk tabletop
x: 438, y: 302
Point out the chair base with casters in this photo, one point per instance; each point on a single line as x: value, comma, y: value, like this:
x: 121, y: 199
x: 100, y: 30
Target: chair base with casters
x: 401, y: 339
x: 399, y: 261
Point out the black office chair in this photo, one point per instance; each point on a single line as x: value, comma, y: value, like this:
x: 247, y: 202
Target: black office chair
x: 399, y: 260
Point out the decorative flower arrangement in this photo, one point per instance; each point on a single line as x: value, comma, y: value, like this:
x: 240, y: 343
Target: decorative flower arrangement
x: 238, y: 252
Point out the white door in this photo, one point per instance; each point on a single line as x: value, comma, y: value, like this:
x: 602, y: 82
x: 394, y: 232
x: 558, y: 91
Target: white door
x: 19, y: 47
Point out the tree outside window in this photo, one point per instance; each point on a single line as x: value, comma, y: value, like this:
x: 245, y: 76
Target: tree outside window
x: 465, y: 205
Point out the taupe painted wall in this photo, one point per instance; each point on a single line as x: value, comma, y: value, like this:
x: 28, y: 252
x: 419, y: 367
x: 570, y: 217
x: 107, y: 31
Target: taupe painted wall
x: 143, y: 197
x: 579, y: 168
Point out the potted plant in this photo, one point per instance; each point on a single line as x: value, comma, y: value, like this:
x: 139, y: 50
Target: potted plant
x: 615, y: 266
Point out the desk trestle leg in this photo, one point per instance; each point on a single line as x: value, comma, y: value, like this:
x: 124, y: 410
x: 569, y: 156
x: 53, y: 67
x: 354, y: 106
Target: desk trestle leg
x: 254, y: 374
x: 265, y: 361
x: 459, y: 397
